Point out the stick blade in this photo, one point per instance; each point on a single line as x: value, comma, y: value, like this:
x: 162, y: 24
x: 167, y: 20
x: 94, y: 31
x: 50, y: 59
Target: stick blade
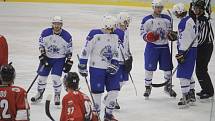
x: 47, y: 106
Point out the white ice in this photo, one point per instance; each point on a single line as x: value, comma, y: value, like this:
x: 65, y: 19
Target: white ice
x: 22, y: 24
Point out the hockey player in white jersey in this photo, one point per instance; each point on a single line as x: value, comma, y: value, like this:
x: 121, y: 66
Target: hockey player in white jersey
x: 55, y: 45
x: 154, y: 30
x: 187, y: 53
x: 101, y: 49
x: 125, y: 63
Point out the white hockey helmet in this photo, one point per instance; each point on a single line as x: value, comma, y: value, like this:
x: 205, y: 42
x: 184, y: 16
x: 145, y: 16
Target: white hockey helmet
x: 122, y: 17
x: 178, y: 8
x: 109, y: 22
x: 157, y: 3
x: 57, y: 19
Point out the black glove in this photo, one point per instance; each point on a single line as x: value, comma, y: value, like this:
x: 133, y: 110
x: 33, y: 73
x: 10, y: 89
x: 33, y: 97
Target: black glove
x: 83, y: 70
x: 128, y: 64
x: 180, y: 58
x: 172, y: 35
x: 67, y: 66
x: 44, y: 60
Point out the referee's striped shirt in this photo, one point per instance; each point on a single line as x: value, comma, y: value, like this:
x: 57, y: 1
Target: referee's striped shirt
x: 205, y: 30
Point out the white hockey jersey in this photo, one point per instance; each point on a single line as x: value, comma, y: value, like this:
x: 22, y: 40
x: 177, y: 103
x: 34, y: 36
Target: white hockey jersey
x: 100, y: 49
x: 187, y: 33
x: 56, y: 46
x: 161, y: 25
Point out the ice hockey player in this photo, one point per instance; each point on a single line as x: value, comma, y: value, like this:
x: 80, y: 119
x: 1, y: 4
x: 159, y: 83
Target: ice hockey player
x: 55, y: 45
x: 154, y: 30
x: 186, y: 57
x: 125, y: 63
x: 102, y: 50
x: 13, y: 99
x: 76, y: 106
x: 3, y: 51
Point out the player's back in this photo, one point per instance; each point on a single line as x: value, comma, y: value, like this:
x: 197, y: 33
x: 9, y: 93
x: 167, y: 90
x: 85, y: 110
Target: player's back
x: 13, y: 103
x: 73, y: 106
x: 187, y: 29
x: 103, y: 49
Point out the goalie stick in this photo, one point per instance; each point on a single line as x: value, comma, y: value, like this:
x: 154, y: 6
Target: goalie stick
x: 47, y: 105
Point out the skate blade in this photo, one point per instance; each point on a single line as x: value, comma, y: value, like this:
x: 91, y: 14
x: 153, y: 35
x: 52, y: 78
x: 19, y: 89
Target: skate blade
x: 192, y: 104
x: 208, y: 100
x: 116, y: 108
x: 146, y: 98
x: 183, y: 106
x: 57, y: 106
x: 173, y: 96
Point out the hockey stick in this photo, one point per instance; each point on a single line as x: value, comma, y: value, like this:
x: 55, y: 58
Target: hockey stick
x: 171, y: 44
x: 27, y: 109
x: 123, y: 57
x: 91, y: 95
x: 29, y: 88
x: 47, y: 105
x: 212, y: 105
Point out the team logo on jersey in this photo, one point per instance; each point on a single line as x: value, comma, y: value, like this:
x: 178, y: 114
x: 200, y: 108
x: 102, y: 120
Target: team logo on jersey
x: 53, y: 49
x: 106, y: 53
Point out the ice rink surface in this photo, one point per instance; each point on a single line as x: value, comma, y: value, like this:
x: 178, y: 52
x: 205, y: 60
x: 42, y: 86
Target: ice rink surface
x: 22, y: 24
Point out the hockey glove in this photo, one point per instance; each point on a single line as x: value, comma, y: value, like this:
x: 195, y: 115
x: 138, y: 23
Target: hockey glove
x: 172, y: 35
x: 128, y: 64
x: 44, y: 60
x: 180, y: 58
x: 67, y: 66
x: 113, y: 67
x: 83, y: 70
x: 152, y: 37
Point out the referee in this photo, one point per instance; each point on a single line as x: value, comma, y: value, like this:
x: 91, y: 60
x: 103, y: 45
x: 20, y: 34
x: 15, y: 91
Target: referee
x: 204, y: 49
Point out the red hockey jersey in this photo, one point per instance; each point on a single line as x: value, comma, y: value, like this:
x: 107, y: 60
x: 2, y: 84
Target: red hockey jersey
x: 75, y: 106
x: 13, y: 104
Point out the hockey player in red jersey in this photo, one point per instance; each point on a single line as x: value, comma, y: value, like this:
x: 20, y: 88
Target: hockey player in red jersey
x: 13, y: 99
x: 76, y: 106
x: 3, y: 51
